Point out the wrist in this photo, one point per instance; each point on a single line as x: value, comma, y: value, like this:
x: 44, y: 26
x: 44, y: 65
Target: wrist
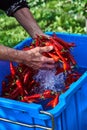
x: 18, y: 56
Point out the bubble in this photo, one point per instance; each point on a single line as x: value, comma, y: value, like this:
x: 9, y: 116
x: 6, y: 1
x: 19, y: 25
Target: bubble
x: 48, y: 80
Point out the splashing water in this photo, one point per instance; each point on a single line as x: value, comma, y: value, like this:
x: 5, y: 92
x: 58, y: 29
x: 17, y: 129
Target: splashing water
x: 48, y: 80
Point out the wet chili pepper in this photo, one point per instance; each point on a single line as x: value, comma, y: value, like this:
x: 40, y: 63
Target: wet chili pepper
x: 28, y: 100
x: 54, y: 101
x: 46, y: 54
x: 48, y: 44
x: 57, y: 44
x: 36, y: 42
x: 55, y: 57
x: 59, y: 70
x: 12, y: 69
x: 62, y: 42
x: 20, y: 86
x: 35, y: 96
x: 47, y: 94
x: 26, y: 77
x: 72, y: 59
x: 15, y: 93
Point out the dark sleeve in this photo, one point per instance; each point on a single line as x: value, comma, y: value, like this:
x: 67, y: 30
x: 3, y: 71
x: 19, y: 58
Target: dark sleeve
x: 11, y: 6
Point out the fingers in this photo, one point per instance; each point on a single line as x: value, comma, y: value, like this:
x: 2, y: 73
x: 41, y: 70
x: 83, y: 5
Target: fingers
x: 47, y: 60
x: 45, y: 49
x: 47, y: 66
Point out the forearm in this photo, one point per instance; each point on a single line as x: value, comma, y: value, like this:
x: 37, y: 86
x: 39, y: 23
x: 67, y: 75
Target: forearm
x: 32, y: 58
x: 10, y: 54
x: 26, y: 19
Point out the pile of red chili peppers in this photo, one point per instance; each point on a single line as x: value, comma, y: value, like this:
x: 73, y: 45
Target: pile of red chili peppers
x: 20, y: 83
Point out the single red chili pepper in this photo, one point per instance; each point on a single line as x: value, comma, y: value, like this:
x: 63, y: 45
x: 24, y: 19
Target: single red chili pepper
x: 25, y: 70
x: 31, y: 85
x: 15, y: 93
x: 26, y: 77
x: 20, y: 86
x: 54, y: 101
x: 58, y: 53
x: 55, y: 57
x: 36, y: 42
x: 57, y: 44
x: 59, y: 70
x: 66, y: 87
x: 72, y: 59
x: 31, y: 100
x: 47, y: 94
x: 62, y: 42
x: 35, y: 96
x: 25, y: 99
x: 45, y: 54
x: 66, y: 66
x: 48, y: 44
x: 12, y: 69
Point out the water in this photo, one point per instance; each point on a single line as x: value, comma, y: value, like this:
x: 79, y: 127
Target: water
x: 48, y: 80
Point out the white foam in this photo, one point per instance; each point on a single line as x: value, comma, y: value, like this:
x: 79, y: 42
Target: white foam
x: 48, y: 80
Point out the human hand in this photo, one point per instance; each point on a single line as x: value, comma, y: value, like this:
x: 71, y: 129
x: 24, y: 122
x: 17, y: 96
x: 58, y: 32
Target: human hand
x: 34, y: 58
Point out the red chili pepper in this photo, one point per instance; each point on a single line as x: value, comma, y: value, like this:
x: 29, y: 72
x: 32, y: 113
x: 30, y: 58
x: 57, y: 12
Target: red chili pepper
x: 20, y: 86
x: 67, y: 87
x: 25, y: 99
x: 26, y: 77
x: 62, y: 42
x: 59, y: 70
x: 35, y: 96
x: 31, y: 100
x: 72, y: 59
x: 48, y: 44
x: 66, y: 66
x: 45, y: 54
x: 12, y: 69
x: 58, y: 53
x: 31, y: 85
x: 55, y: 57
x: 47, y: 94
x: 36, y: 42
x: 15, y: 93
x: 54, y: 101
x: 57, y: 44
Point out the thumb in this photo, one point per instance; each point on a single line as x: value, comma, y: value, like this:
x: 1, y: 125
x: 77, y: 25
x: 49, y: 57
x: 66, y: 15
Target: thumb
x: 46, y: 49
